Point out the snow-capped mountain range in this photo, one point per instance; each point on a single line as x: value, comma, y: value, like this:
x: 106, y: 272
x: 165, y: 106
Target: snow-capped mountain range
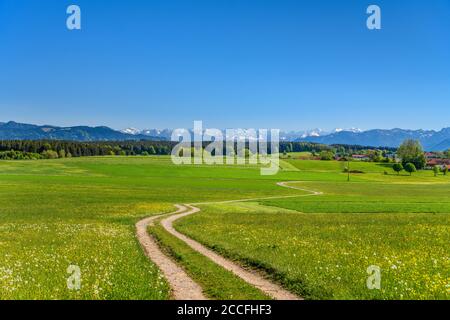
x: 284, y: 135
x: 431, y: 140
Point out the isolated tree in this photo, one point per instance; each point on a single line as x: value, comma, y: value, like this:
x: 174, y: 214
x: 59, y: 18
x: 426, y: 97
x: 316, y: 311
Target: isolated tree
x: 398, y: 167
x: 410, y: 168
x: 445, y: 170
x: 436, y: 171
x: 326, y: 155
x: 411, y: 151
x: 375, y: 155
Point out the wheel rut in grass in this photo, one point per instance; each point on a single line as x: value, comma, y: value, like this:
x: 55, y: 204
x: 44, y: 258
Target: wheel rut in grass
x: 183, y: 287
x: 271, y: 289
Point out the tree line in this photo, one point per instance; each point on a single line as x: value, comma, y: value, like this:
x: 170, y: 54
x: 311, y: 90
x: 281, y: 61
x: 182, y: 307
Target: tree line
x: 51, y: 149
x: 334, y: 148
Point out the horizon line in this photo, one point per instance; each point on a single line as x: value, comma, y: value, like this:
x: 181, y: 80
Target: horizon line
x: 223, y: 128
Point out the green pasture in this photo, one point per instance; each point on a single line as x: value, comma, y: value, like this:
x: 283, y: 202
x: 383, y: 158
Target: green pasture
x: 82, y: 211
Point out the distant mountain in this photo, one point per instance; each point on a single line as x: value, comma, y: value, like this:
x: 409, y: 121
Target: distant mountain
x: 284, y: 135
x: 21, y: 131
x: 430, y: 139
x: 444, y: 145
x: 132, y: 131
x: 295, y: 135
x: 162, y: 134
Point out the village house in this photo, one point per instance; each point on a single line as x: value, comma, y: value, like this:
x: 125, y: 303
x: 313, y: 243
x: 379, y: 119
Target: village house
x: 361, y: 157
x: 431, y: 163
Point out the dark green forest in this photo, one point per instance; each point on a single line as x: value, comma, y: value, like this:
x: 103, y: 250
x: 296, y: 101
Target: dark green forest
x: 52, y: 149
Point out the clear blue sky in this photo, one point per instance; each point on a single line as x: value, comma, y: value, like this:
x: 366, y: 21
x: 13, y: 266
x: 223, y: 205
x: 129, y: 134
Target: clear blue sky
x: 263, y: 64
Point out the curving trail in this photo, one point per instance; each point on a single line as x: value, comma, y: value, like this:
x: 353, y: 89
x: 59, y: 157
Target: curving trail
x: 183, y: 286
x: 271, y: 289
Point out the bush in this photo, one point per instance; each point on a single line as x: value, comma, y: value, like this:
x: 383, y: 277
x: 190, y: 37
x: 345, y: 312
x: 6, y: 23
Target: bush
x: 49, y: 154
x: 326, y: 155
x: 410, y: 167
x: 19, y: 155
x: 397, y: 167
x: 436, y: 170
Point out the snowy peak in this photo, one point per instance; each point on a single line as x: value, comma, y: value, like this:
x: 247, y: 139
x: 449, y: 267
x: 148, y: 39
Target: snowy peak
x: 132, y: 131
x: 165, y: 133
x: 354, y: 130
x: 430, y: 139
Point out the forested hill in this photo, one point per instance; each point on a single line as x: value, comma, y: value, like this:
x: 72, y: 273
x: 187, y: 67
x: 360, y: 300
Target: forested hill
x: 20, y: 131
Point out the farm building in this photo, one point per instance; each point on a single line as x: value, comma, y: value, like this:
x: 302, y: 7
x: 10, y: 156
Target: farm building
x: 438, y: 162
x: 361, y: 157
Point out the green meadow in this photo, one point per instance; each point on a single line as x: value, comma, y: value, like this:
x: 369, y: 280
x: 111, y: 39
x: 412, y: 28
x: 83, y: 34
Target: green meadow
x: 82, y: 211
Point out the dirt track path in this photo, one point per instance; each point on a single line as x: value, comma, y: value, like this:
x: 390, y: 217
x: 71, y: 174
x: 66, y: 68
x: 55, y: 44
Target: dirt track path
x: 266, y: 286
x: 184, y: 288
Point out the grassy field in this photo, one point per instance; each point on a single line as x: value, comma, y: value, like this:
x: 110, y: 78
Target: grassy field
x: 82, y: 211
x: 216, y: 282
x: 321, y: 246
x: 294, y: 155
x: 326, y: 256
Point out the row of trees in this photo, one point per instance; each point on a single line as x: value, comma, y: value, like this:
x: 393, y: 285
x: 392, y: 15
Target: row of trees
x: 286, y: 147
x: 19, y: 155
x: 341, y: 149
x: 409, y: 167
x: 345, y: 152
x: 51, y: 149
x: 410, y: 152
